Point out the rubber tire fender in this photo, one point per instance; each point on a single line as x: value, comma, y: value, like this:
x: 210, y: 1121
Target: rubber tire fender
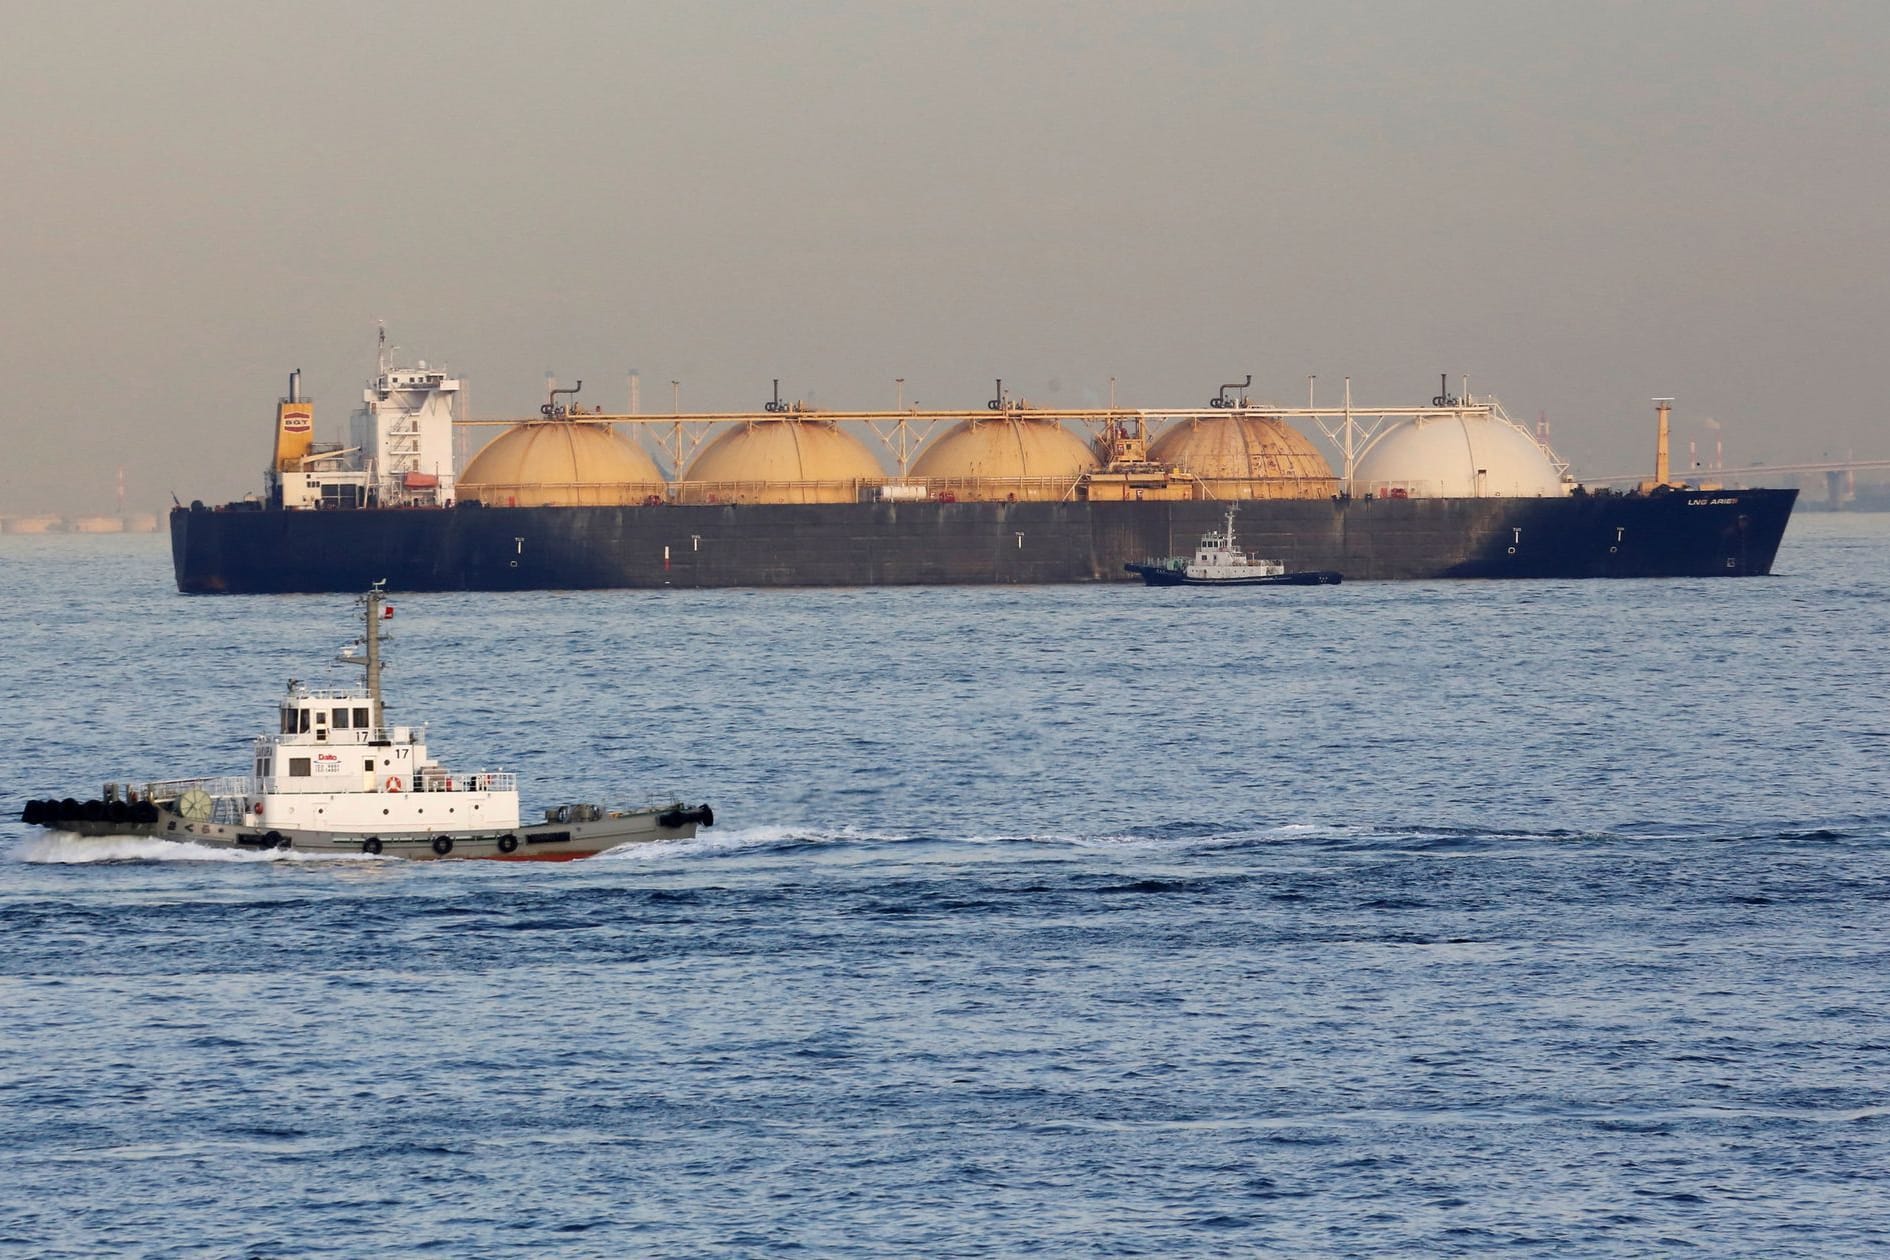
x: 508, y: 844
x: 371, y: 845
x: 442, y: 845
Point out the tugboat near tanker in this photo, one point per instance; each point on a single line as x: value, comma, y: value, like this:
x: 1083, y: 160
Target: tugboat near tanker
x: 337, y: 778
x: 1219, y: 561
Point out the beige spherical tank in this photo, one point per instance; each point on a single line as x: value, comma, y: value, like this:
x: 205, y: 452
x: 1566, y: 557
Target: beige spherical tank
x: 1005, y: 457
x: 781, y: 461
x: 1247, y: 457
x: 560, y: 463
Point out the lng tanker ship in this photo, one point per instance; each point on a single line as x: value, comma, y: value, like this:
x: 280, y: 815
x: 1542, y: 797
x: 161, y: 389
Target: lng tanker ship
x: 790, y: 496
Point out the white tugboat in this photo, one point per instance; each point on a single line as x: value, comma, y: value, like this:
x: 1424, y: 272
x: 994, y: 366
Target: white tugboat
x: 1219, y: 561
x: 337, y: 778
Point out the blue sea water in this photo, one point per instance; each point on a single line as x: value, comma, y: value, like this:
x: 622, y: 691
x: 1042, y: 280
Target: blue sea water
x: 1377, y: 920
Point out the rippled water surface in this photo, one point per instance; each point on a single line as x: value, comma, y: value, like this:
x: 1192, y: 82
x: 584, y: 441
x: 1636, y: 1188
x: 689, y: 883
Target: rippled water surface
x: 1384, y: 919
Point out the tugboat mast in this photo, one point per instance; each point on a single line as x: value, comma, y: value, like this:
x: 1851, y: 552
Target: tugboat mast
x: 373, y: 603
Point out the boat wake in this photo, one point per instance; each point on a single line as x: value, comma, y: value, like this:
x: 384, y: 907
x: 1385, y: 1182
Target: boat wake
x: 745, y: 841
x: 67, y: 848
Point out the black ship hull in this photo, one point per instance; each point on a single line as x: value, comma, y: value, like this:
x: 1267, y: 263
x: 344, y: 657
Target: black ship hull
x: 250, y: 549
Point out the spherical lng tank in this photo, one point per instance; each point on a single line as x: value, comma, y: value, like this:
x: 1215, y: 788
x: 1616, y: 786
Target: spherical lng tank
x: 1457, y: 456
x: 1247, y: 457
x: 1004, y: 457
x: 789, y: 460
x: 560, y: 463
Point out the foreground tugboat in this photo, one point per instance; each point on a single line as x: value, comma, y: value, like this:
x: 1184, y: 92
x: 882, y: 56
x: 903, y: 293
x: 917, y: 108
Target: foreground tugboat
x: 337, y: 779
x: 1219, y: 561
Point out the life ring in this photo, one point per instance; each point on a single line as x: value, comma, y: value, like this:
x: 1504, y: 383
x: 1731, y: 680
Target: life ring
x: 371, y: 845
x: 507, y: 843
x: 442, y: 845
x: 394, y: 783
x: 259, y: 806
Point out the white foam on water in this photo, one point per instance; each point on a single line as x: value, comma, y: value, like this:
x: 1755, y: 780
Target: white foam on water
x: 67, y: 848
x: 70, y: 848
x: 721, y: 841
x: 1280, y: 833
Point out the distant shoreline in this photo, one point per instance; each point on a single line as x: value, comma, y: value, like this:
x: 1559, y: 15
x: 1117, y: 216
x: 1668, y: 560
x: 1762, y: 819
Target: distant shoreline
x: 100, y: 523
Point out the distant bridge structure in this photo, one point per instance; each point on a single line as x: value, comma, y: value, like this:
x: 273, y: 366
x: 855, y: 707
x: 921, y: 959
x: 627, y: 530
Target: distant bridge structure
x: 1837, y: 474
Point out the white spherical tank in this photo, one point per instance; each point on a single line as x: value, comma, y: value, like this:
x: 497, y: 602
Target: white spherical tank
x: 1456, y: 456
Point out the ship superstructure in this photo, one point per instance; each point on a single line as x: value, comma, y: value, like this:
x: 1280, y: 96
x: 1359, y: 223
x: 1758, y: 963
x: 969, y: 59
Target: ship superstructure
x: 399, y: 451
x: 336, y: 764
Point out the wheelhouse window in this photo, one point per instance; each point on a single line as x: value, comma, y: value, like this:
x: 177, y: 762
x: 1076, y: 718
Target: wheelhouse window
x: 360, y: 719
x: 341, y: 719
x: 288, y: 721
x: 298, y: 767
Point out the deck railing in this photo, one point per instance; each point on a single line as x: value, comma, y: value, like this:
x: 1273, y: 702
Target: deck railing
x: 478, y: 781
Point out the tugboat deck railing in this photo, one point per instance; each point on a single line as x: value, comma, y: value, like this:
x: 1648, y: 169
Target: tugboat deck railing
x: 477, y: 781
x: 234, y: 785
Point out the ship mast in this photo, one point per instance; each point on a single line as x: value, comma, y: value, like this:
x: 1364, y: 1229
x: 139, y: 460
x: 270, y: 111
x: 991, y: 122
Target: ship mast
x: 374, y: 604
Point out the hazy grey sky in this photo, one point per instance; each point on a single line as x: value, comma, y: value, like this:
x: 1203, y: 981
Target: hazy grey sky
x: 1578, y: 205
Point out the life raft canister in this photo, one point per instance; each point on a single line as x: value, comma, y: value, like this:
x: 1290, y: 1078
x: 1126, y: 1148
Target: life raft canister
x: 394, y: 783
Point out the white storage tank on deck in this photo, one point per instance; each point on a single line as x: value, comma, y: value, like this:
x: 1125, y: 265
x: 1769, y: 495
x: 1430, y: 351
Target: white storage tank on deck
x: 1457, y: 456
